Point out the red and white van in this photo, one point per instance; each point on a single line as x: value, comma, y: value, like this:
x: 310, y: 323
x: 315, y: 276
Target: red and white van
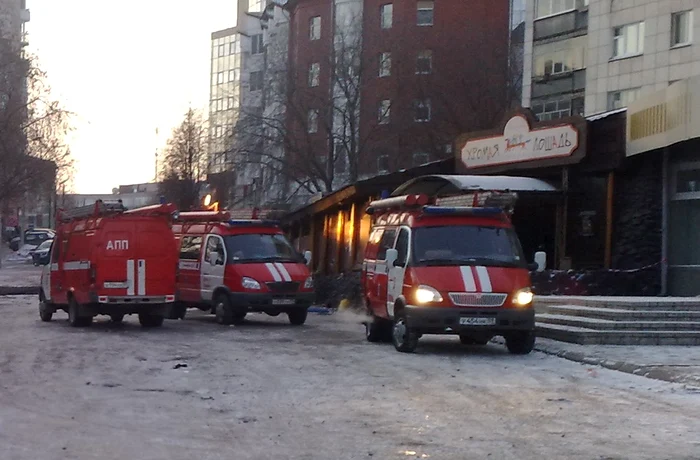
x: 232, y: 267
x: 106, y: 260
x: 432, y: 268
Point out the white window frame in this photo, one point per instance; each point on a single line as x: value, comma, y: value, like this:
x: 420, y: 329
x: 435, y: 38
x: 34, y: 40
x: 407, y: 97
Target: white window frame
x: 314, y: 74
x: 555, y: 7
x: 624, y: 97
x: 314, y: 28
x: 384, y: 115
x: 689, y: 27
x: 312, y: 120
x: 425, y: 103
x: 220, y: 78
x: 232, y: 75
x: 686, y: 166
x: 221, y: 52
x: 231, y: 103
x: 425, y: 55
x: 624, y: 35
x: 386, y: 16
x: 423, y: 6
x: 256, y: 41
x: 384, y: 64
x: 379, y: 161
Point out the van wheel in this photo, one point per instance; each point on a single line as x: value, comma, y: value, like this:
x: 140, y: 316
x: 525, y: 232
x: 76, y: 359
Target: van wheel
x: 469, y: 340
x: 377, y: 330
x: 223, y: 310
x: 405, y: 339
x: 45, y: 311
x: 298, y: 317
x: 74, y: 318
x: 151, y: 320
x: 117, y: 318
x: 177, y: 311
x: 520, y: 342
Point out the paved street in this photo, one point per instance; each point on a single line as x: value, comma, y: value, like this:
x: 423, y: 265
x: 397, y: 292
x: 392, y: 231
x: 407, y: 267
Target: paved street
x: 268, y: 390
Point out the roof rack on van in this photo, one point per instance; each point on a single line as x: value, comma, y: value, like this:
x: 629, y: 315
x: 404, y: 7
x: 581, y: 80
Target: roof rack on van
x: 475, y: 204
x: 155, y: 210
x: 397, y: 202
x: 204, y: 216
x: 264, y: 222
x: 98, y: 209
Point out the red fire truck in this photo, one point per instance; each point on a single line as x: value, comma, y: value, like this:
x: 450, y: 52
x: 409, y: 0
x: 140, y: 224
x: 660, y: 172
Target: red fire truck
x: 107, y: 260
x: 232, y: 267
x: 449, y: 266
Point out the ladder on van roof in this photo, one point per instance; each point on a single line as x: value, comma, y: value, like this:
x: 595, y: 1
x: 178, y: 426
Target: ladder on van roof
x: 98, y: 209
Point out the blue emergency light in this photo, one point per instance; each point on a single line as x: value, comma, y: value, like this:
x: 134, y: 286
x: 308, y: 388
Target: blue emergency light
x: 461, y: 211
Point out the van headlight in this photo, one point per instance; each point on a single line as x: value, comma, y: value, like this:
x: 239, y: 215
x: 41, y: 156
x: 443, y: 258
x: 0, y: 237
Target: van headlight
x: 250, y: 283
x: 427, y: 294
x: 523, y: 297
x: 309, y: 283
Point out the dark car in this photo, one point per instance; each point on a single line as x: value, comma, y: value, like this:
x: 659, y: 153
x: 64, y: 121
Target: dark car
x: 41, y: 255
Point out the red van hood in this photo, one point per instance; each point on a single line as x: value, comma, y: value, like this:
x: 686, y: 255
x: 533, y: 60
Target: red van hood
x: 471, y: 279
x: 267, y: 273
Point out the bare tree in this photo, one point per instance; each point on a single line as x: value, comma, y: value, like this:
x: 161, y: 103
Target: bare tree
x: 185, y: 161
x: 34, y: 154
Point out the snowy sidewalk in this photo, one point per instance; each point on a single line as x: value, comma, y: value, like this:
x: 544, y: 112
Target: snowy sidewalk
x: 18, y: 277
x: 669, y: 363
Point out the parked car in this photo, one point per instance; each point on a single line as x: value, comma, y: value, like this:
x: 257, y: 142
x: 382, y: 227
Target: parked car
x: 40, y: 255
x: 32, y: 239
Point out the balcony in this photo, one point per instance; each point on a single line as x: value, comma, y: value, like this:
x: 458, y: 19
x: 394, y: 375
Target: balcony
x: 569, y: 82
x: 566, y: 23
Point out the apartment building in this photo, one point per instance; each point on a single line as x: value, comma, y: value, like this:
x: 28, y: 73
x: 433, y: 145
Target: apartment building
x: 591, y: 56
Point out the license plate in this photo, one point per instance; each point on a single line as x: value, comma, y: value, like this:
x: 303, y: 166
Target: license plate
x: 283, y: 302
x: 479, y: 321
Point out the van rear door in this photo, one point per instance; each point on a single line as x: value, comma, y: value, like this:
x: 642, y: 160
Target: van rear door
x: 155, y: 258
x: 115, y: 265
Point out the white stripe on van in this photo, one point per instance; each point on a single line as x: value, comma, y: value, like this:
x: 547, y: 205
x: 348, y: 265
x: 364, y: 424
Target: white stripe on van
x: 468, y: 279
x: 283, y: 271
x: 484, y: 279
x: 76, y: 265
x: 142, y: 277
x: 130, y: 277
x: 273, y: 271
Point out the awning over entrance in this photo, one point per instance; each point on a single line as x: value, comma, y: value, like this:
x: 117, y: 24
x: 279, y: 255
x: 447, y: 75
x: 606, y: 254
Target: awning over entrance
x: 441, y: 185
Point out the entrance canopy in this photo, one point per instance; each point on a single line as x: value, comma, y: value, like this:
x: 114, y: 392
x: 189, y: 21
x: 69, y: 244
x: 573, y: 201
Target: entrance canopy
x: 442, y: 185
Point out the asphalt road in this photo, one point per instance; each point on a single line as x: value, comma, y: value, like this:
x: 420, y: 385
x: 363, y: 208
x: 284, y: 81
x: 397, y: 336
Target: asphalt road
x: 268, y: 390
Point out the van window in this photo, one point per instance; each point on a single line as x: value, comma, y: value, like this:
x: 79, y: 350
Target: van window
x: 467, y: 245
x: 56, y: 251
x: 214, y: 246
x: 402, y: 246
x: 191, y: 247
x: 386, y: 242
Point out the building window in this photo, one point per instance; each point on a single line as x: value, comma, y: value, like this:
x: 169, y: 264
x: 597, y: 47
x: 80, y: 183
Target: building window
x: 256, y: 81
x: 628, y: 40
x: 384, y: 64
x: 313, y: 121
x: 314, y: 74
x: 218, y: 131
x: 232, y: 75
x: 420, y: 158
x: 552, y: 7
x: 219, y: 78
x: 425, y: 12
x: 560, y: 57
x: 219, y: 105
x: 620, y: 99
x: 681, y: 28
x: 233, y: 46
x: 384, y: 112
x: 222, y: 50
x: 315, y: 28
x: 256, y: 44
x: 383, y: 163
x: 553, y: 109
x: 423, y: 110
x: 387, y: 15
x: 424, y: 62
x: 231, y: 103
x: 255, y: 6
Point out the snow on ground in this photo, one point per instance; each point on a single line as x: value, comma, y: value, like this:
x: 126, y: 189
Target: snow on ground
x: 13, y: 274
x: 194, y: 389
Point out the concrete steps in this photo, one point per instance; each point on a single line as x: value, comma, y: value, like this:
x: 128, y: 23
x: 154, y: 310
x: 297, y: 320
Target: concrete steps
x: 619, y: 321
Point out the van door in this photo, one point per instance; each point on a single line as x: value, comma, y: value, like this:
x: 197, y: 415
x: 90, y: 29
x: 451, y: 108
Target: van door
x: 381, y: 271
x: 396, y: 273
x: 47, y: 269
x: 213, y: 266
x: 56, y: 281
x: 189, y: 283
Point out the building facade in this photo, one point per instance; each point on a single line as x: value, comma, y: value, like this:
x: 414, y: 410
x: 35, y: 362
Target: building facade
x: 589, y: 56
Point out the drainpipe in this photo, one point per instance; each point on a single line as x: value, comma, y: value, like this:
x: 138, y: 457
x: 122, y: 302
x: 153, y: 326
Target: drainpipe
x: 664, y: 222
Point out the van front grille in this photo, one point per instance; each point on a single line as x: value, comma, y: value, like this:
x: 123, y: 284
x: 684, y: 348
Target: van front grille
x: 476, y: 299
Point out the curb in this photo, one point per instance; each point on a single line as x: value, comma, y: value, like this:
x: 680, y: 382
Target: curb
x: 650, y: 372
x: 19, y: 290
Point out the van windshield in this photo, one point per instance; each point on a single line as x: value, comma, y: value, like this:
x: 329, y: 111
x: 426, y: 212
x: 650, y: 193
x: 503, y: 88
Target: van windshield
x: 467, y: 245
x: 259, y: 248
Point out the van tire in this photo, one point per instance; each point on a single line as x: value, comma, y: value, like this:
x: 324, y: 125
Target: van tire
x: 298, y: 317
x: 74, y: 318
x: 377, y: 330
x: 239, y: 317
x: 520, y: 342
x: 223, y: 310
x: 151, y: 320
x: 469, y: 340
x: 45, y: 311
x: 117, y: 318
x: 177, y: 311
x: 404, y: 338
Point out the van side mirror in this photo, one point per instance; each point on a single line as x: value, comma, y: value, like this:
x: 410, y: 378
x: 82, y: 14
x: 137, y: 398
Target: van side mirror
x: 391, y: 256
x: 540, y: 261
x: 307, y: 257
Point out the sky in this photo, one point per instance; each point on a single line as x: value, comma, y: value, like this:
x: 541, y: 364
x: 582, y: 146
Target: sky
x: 125, y: 69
